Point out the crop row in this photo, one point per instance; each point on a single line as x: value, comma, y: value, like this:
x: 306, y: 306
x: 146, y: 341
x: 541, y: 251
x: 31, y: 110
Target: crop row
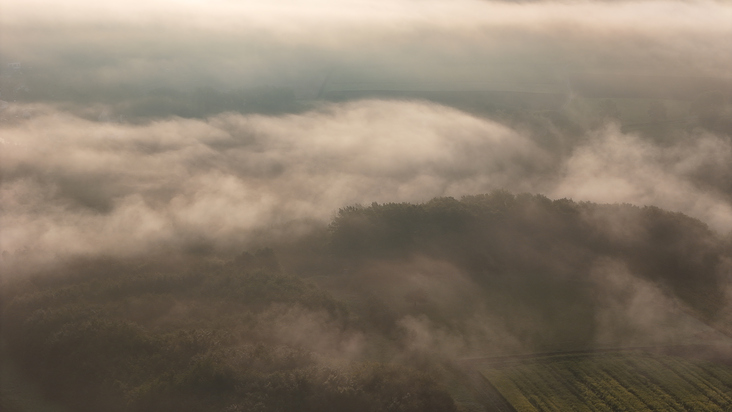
x: 613, y: 383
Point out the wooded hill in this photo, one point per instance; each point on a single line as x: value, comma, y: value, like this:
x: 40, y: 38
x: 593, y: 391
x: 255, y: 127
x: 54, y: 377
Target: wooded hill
x: 366, y: 315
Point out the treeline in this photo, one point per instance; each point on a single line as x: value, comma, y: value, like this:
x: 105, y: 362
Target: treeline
x: 530, y: 236
x: 202, y: 102
x: 131, y: 102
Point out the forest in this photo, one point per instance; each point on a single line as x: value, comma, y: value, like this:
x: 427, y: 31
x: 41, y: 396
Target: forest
x: 373, y: 312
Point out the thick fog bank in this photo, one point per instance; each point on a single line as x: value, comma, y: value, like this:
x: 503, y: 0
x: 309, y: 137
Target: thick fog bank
x: 73, y: 186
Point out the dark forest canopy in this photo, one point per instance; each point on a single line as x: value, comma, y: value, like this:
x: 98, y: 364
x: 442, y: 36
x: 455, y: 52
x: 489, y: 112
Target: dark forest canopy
x: 503, y: 234
x: 339, y: 321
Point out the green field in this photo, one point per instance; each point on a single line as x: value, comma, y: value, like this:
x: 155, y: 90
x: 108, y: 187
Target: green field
x: 613, y: 382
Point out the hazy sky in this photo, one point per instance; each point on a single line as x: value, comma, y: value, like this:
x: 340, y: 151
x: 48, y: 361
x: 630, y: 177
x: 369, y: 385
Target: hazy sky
x: 76, y: 180
x: 234, y: 43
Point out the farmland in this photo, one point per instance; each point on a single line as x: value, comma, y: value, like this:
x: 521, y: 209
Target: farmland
x: 612, y: 381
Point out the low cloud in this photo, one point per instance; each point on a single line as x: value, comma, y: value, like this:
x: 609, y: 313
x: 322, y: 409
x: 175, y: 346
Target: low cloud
x: 691, y: 176
x: 635, y: 312
x: 74, y: 186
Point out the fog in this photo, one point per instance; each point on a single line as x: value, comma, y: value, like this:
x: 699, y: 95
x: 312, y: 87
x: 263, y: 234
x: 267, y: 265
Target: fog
x: 160, y: 138
x: 74, y: 186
